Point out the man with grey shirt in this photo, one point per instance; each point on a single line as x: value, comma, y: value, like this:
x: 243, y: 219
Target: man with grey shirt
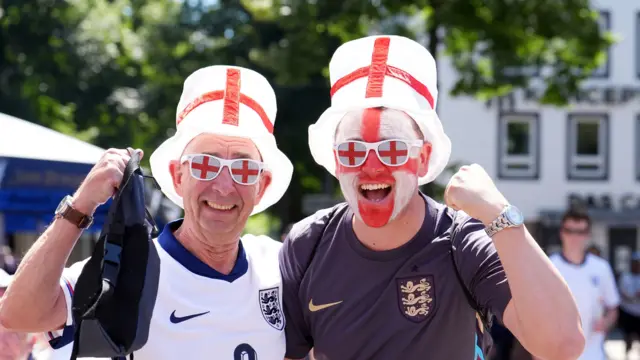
x: 384, y: 275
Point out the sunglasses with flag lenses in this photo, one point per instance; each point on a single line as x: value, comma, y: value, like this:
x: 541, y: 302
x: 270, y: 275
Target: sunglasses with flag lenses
x: 207, y: 167
x: 353, y: 153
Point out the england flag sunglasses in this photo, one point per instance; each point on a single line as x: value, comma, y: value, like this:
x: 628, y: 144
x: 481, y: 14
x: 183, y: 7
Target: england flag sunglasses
x: 208, y: 167
x: 394, y: 152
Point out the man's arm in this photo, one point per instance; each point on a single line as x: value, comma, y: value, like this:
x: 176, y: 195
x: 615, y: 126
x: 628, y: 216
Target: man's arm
x: 35, y: 301
x: 610, y: 299
x: 542, y: 314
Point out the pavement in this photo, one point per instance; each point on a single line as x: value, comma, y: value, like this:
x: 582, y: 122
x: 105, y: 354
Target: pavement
x: 615, y: 348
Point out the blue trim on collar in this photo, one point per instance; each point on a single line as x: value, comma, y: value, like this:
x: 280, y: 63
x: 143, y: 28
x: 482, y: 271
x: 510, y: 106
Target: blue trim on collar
x: 174, y: 248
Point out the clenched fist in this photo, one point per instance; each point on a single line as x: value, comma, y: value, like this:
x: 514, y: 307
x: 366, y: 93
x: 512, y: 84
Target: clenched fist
x: 102, y: 181
x: 472, y: 191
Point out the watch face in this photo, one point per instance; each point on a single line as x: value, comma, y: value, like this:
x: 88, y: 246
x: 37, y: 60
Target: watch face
x: 514, y: 215
x: 62, y: 205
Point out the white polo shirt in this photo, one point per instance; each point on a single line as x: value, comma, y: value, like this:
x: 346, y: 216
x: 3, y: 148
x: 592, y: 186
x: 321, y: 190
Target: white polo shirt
x: 594, y: 289
x: 202, y: 314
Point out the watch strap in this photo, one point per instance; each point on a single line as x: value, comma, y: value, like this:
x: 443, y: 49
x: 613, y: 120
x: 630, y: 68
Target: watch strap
x: 81, y: 220
x: 500, y: 223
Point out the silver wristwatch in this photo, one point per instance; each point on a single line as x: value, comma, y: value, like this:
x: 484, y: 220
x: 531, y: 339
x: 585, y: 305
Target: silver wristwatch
x: 510, y: 216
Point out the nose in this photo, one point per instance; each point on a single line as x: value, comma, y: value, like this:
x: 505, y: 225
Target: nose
x: 223, y: 183
x: 372, y: 166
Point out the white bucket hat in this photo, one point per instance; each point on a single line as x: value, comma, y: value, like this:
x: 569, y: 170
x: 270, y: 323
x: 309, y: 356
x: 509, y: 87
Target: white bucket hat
x: 382, y: 71
x: 231, y: 101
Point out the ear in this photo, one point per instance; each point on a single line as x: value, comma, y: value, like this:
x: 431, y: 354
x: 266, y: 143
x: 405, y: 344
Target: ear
x: 425, y: 156
x: 265, y: 181
x: 176, y: 175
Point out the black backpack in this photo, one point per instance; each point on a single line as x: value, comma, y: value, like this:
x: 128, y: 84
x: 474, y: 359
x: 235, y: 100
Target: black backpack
x: 116, y: 292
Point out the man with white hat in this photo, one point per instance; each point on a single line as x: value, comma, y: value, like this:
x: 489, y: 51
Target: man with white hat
x: 386, y: 275
x: 219, y: 294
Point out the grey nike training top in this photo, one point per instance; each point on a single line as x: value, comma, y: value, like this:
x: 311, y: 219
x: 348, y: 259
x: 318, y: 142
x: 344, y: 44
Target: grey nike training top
x: 353, y: 303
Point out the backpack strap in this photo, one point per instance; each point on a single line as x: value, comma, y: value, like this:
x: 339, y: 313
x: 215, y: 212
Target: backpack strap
x: 485, y: 316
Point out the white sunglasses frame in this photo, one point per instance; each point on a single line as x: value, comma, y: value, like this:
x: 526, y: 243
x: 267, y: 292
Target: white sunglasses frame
x: 224, y: 163
x: 411, y: 144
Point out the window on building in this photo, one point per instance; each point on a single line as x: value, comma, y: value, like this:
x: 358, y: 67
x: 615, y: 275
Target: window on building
x: 604, y: 20
x: 588, y: 146
x: 518, y: 145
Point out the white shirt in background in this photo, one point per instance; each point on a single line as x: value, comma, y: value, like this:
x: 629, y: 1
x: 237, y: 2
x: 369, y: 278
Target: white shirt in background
x: 594, y: 288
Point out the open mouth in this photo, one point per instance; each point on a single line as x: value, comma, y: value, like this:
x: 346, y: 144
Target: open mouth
x: 219, y: 207
x: 375, y: 192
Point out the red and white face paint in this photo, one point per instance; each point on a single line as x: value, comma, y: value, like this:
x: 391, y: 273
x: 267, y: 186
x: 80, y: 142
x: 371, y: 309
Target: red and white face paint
x: 377, y: 193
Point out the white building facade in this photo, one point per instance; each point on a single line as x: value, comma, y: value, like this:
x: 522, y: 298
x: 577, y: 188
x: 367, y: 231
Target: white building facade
x: 543, y: 158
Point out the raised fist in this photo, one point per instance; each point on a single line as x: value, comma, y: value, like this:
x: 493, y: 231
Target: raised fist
x: 472, y: 191
x: 102, y: 181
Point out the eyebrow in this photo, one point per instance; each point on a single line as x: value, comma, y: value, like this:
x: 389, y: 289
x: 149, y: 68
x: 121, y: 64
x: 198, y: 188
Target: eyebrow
x: 234, y: 155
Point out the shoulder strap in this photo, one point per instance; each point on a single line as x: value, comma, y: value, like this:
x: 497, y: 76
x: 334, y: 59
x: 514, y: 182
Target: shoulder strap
x: 485, y: 316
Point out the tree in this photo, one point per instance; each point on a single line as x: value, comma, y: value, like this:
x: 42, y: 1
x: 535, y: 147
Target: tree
x: 481, y: 37
x: 296, y: 39
x: 111, y: 71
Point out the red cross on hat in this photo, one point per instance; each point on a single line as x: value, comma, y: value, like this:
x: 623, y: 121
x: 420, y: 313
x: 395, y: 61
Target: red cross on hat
x: 377, y: 71
x: 232, y: 99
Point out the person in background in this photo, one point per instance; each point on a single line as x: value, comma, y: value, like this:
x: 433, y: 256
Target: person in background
x: 629, y: 320
x: 13, y: 345
x: 8, y: 262
x: 591, y: 281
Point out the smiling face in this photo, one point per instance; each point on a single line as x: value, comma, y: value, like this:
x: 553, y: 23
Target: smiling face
x: 220, y: 205
x: 379, y: 192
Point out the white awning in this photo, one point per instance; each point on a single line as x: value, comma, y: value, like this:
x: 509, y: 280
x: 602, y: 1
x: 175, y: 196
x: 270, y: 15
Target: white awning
x: 23, y: 139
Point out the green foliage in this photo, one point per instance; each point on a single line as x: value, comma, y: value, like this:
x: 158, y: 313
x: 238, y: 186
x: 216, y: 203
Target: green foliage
x: 111, y: 71
x: 263, y: 224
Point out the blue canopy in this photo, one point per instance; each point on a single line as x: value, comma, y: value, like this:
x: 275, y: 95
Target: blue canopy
x: 30, y: 191
x: 39, y: 166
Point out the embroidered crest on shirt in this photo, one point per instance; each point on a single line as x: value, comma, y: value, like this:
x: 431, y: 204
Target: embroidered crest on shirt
x: 270, y: 307
x: 416, y: 297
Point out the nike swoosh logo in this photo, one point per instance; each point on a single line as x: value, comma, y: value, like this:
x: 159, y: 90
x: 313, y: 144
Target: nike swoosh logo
x: 178, y: 319
x: 314, y: 308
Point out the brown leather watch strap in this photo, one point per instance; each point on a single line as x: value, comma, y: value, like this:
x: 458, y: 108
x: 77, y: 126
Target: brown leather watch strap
x: 75, y: 217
